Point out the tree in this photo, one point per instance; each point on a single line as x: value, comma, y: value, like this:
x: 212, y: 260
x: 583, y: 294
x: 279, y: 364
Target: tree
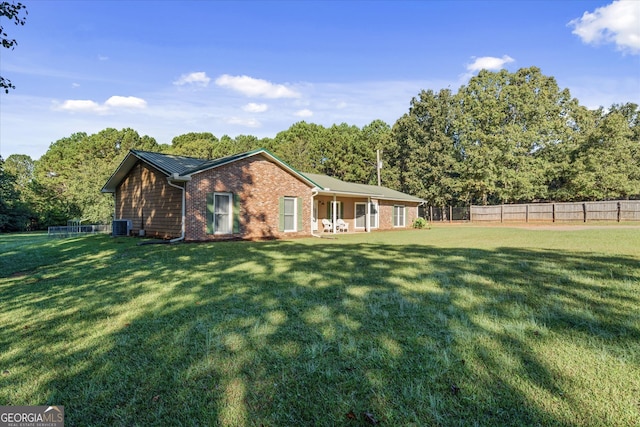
x: 301, y: 146
x: 74, y: 169
x: 21, y: 166
x: 13, y: 12
x: 506, y: 120
x: 377, y: 136
x: 14, y: 215
x: 424, y: 151
x: 200, y: 145
x: 608, y: 163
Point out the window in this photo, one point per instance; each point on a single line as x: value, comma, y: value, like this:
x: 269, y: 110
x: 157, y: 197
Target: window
x: 290, y: 214
x: 398, y: 215
x: 373, y: 213
x: 223, y: 213
x: 361, y: 215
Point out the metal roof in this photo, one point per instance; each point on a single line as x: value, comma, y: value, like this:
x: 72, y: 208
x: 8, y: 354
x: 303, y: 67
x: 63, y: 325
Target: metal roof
x: 186, y: 166
x: 168, y: 163
x: 331, y: 185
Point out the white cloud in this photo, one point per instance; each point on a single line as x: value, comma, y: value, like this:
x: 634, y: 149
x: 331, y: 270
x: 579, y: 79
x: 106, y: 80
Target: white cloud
x: 252, y: 107
x: 489, y: 63
x: 303, y: 113
x: 110, y: 105
x: 75, y: 85
x: 617, y: 23
x: 103, y: 58
x: 247, y: 122
x: 125, y: 102
x: 256, y: 87
x: 199, y: 79
x: 81, y: 105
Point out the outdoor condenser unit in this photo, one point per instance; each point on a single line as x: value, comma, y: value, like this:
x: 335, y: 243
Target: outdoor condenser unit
x: 121, y: 227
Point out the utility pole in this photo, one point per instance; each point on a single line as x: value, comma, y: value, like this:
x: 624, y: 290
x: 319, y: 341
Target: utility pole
x: 378, y: 165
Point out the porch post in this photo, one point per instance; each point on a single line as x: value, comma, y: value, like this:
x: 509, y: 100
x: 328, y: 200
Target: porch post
x: 334, y: 215
x: 367, y: 220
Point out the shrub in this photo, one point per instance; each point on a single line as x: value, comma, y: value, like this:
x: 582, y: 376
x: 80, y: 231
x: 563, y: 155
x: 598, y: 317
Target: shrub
x: 420, y: 223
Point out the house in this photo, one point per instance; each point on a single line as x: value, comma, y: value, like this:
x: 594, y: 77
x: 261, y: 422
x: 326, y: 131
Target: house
x: 252, y: 195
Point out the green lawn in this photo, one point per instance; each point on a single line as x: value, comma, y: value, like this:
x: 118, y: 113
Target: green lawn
x: 449, y: 326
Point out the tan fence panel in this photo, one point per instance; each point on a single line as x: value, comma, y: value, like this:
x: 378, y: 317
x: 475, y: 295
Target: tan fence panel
x: 601, y: 211
x: 616, y: 210
x: 630, y: 210
x: 514, y: 212
x: 486, y: 213
x: 541, y: 212
x: 569, y: 212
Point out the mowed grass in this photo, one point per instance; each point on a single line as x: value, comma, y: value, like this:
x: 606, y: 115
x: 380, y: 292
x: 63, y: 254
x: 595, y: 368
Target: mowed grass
x: 453, y: 326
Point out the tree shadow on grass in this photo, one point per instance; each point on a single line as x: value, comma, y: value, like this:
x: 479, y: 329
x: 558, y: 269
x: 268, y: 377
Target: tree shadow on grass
x: 320, y: 333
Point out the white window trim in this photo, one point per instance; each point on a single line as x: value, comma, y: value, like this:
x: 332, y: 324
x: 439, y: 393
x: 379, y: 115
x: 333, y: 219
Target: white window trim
x: 367, y: 213
x: 295, y: 214
x: 376, y: 216
x: 404, y: 219
x: 230, y: 213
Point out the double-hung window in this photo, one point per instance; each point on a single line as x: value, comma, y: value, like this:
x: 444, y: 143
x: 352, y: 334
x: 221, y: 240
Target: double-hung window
x: 222, y: 213
x: 290, y: 214
x: 398, y: 216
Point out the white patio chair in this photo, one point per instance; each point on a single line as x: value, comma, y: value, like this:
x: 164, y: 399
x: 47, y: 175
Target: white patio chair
x: 342, y: 226
x: 326, y: 224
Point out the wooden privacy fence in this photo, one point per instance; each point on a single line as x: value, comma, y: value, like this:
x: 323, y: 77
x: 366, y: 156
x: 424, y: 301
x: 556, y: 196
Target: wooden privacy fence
x: 618, y: 210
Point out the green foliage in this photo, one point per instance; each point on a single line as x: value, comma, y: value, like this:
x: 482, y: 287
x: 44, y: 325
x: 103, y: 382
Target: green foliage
x: 502, y: 138
x: 424, y: 153
x: 420, y: 223
x: 14, y: 215
x: 74, y: 170
x: 13, y: 12
x: 514, y: 137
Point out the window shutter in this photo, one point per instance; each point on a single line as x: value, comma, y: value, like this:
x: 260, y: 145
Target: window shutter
x: 300, y: 224
x: 406, y: 210
x: 236, y: 213
x: 281, y: 213
x: 210, y: 210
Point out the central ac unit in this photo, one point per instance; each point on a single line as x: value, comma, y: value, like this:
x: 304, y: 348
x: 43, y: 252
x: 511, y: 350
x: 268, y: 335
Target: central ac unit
x: 121, y: 227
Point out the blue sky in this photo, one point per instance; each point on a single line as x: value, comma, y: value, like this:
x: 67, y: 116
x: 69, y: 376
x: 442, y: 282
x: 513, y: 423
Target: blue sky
x: 167, y: 68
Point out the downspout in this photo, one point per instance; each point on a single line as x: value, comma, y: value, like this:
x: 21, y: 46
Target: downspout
x: 314, y: 193
x: 184, y: 213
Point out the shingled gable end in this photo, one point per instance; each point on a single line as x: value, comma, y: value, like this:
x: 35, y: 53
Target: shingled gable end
x: 252, y: 195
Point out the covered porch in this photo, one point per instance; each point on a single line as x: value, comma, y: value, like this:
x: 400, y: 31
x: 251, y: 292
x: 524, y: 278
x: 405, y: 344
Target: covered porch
x: 343, y: 214
x: 342, y: 207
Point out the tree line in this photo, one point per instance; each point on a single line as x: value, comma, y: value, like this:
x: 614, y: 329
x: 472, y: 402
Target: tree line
x: 502, y: 138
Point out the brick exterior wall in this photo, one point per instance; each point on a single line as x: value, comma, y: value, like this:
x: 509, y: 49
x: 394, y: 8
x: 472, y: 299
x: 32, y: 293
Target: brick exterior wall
x: 145, y: 196
x: 260, y: 184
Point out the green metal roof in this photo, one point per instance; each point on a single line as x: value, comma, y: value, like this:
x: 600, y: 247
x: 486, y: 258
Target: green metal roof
x: 330, y: 185
x: 187, y: 166
x: 168, y: 163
